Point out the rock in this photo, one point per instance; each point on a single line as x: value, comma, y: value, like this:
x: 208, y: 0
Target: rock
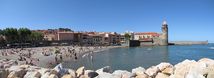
x: 67, y: 76
x: 19, y: 72
x: 14, y: 68
x: 163, y: 66
x: 13, y: 75
x: 35, y: 74
x: 53, y: 76
x: 194, y: 75
x: 138, y: 71
x: 43, y: 71
x: 92, y: 74
x: 207, y: 61
x: 168, y: 71
x: 161, y: 75
x: 83, y: 76
x: 46, y: 75
x: 152, y: 71
x: 105, y: 75
x: 24, y: 66
x: 142, y: 76
x: 210, y: 75
x: 53, y: 72
x: 80, y: 71
x: 60, y: 70
x: 71, y: 72
x: 181, y: 69
x: 106, y: 69
x: 209, y: 71
x: 122, y: 74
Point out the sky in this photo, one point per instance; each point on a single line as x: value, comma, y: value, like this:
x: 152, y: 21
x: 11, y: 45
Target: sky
x: 191, y: 20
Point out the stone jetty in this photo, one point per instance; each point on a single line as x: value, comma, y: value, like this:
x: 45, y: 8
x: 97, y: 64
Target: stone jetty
x: 203, y: 68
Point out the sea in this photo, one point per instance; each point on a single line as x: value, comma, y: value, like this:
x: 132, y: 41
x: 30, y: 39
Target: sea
x: 127, y: 58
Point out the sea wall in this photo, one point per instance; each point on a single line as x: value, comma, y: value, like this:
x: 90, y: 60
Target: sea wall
x: 203, y: 68
x: 187, y: 42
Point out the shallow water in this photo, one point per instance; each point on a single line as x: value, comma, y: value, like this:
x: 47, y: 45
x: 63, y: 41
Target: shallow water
x: 129, y: 58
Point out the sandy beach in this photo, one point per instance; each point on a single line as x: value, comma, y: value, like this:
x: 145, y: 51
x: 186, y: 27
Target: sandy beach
x: 49, y: 56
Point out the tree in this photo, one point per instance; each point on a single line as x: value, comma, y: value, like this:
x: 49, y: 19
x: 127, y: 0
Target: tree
x: 127, y: 36
x: 36, y: 36
x: 24, y: 34
x: 65, y: 29
x: 1, y: 32
x: 2, y: 41
x: 11, y: 35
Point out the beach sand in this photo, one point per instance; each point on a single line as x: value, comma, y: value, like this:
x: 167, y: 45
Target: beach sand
x: 38, y: 58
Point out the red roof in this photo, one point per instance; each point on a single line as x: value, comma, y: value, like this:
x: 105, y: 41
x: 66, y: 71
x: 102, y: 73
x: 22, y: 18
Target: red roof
x: 147, y: 33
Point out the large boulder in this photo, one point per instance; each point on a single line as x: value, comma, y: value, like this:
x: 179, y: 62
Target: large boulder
x: 71, y: 72
x: 34, y: 74
x: 46, y: 75
x: 67, y: 76
x: 105, y: 75
x: 16, y: 70
x: 142, y: 76
x: 181, y: 69
x: 207, y: 61
x: 122, y: 74
x: 53, y: 76
x: 13, y: 75
x: 80, y: 71
x: 60, y: 70
x: 168, y: 71
x: 138, y: 71
x: 163, y: 66
x: 161, y: 75
x: 152, y: 71
x: 210, y: 71
x: 190, y: 69
x: 43, y: 71
x: 90, y: 73
x: 106, y: 69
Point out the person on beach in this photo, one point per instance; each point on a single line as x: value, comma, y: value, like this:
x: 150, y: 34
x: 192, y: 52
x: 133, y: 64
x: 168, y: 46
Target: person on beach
x: 56, y: 59
x: 60, y: 56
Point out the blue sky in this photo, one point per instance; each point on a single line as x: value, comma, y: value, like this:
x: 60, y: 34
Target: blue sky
x: 187, y: 19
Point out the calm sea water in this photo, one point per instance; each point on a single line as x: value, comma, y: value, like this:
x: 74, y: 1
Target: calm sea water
x: 129, y: 58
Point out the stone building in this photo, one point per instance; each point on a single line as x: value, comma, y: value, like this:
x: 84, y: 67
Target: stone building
x: 153, y: 38
x: 65, y: 36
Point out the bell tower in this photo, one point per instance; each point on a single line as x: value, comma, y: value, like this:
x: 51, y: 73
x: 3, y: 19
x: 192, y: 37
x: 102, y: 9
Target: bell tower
x: 164, y: 38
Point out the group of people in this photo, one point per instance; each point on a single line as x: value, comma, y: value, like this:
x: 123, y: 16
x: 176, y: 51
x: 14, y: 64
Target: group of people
x: 26, y: 55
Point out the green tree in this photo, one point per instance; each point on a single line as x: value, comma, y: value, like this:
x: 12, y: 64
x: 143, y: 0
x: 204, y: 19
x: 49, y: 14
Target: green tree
x: 36, y: 36
x: 1, y: 32
x: 2, y: 41
x: 11, y: 35
x: 127, y: 36
x: 24, y: 34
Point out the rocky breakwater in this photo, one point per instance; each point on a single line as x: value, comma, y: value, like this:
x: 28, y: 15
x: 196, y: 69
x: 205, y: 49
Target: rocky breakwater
x: 203, y: 68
